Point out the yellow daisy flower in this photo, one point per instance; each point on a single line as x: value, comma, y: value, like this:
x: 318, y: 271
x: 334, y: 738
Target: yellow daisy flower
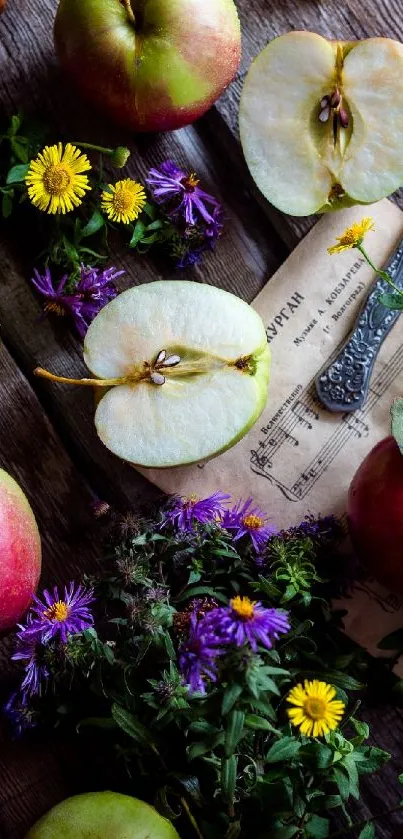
x: 353, y: 236
x: 123, y: 201
x: 316, y: 711
x: 54, y: 180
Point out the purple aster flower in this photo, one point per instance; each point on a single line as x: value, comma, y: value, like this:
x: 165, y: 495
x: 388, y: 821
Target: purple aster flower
x: 20, y: 716
x: 246, y: 520
x: 30, y: 652
x: 171, y: 185
x: 246, y: 621
x: 90, y: 294
x: 184, y: 512
x: 60, y: 618
x: 197, y: 656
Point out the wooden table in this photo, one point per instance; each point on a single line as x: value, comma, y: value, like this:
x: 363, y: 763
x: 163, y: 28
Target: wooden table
x: 47, y: 438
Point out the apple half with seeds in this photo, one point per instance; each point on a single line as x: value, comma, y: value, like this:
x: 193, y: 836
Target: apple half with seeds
x: 186, y: 370
x: 321, y: 122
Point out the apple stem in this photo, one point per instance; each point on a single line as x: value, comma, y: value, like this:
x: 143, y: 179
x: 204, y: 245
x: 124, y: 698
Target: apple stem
x: 128, y: 6
x: 44, y: 374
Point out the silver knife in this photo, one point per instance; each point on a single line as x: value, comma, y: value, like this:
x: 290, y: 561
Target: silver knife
x: 343, y: 386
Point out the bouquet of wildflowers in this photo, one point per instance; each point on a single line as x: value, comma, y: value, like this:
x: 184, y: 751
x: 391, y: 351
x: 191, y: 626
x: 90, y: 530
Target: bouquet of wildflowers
x: 206, y: 660
x: 80, y: 208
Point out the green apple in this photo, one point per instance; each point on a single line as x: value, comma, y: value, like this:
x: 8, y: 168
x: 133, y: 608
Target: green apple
x: 109, y: 815
x: 321, y: 121
x: 20, y: 552
x: 151, y: 65
x: 186, y: 368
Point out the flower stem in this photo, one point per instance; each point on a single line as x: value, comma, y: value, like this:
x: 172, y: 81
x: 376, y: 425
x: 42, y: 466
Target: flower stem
x: 92, y: 147
x: 382, y: 274
x: 357, y: 825
x: 128, y: 6
x: 44, y: 374
x: 191, y: 818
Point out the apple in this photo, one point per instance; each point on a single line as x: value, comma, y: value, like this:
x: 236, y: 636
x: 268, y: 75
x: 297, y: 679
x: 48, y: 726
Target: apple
x: 150, y: 65
x: 2, y: 5
x: 20, y: 552
x: 185, y: 367
x: 375, y: 513
x: 107, y: 814
x: 321, y: 122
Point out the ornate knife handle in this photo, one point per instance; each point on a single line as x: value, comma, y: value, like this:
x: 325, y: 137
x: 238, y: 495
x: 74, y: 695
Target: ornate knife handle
x: 343, y: 386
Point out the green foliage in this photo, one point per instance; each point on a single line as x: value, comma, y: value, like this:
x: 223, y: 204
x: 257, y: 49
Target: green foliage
x: 226, y: 763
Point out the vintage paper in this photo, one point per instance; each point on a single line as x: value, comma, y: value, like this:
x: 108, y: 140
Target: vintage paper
x: 299, y: 458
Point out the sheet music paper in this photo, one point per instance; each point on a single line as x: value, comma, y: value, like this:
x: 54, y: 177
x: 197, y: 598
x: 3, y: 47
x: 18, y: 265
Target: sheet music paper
x: 299, y: 458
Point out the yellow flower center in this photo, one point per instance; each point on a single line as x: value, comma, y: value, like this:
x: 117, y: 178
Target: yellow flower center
x: 58, y: 612
x: 244, y: 607
x: 55, y: 308
x: 56, y: 179
x: 191, y: 182
x: 192, y: 499
x: 123, y: 199
x: 253, y: 522
x: 315, y: 708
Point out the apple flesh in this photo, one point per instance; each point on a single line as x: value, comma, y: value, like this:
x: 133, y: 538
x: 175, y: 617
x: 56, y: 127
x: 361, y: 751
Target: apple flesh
x: 151, y: 65
x: 20, y: 552
x: 375, y: 513
x: 185, y: 367
x: 107, y: 814
x: 321, y: 122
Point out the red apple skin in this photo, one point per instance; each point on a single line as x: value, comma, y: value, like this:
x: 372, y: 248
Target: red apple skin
x: 20, y: 552
x: 2, y: 5
x: 158, y: 73
x: 375, y: 513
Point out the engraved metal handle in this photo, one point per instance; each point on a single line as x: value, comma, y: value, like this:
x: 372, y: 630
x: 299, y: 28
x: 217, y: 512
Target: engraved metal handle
x: 343, y: 386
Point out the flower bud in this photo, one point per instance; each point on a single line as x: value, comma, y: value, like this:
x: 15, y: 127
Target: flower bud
x: 120, y: 156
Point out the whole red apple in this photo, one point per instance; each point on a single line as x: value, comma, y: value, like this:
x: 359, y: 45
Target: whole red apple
x: 151, y: 65
x: 375, y: 513
x: 20, y: 552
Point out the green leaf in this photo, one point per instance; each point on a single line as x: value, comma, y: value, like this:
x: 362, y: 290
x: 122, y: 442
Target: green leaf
x: 6, y: 205
x: 17, y: 173
x: 155, y: 225
x: 15, y: 125
x: 93, y: 225
x: 231, y: 695
x: 342, y: 780
x: 362, y: 729
x: 19, y: 148
x: 368, y: 832
x: 233, y: 732
x: 197, y: 591
x: 198, y: 749
x: 228, y: 778
x: 70, y: 250
x: 349, y: 764
x: 317, y: 827
x: 150, y: 210
x: 259, y: 723
x: 374, y: 759
x: 339, y: 679
x: 330, y: 802
x: 391, y: 301
x: 285, y: 749
x: 138, y: 233
x: 131, y: 725
x: 319, y: 753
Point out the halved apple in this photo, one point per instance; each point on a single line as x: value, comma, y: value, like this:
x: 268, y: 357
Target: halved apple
x: 186, y: 368
x: 321, y: 122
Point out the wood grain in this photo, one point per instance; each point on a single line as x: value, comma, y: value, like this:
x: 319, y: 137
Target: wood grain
x: 47, y: 438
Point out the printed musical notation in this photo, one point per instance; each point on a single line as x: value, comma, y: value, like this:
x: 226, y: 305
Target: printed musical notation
x: 300, y: 418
